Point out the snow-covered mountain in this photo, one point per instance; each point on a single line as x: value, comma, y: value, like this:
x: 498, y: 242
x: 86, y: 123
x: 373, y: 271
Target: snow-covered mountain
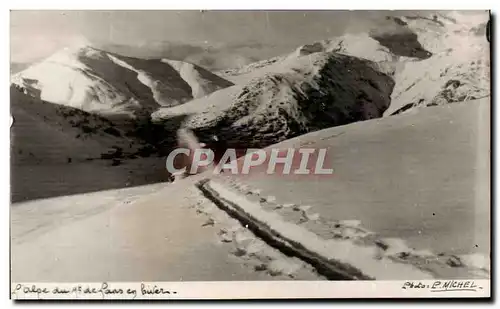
x: 83, y: 100
x: 97, y: 81
x: 409, y: 61
x: 417, y: 175
x: 302, y: 93
x: 458, y: 70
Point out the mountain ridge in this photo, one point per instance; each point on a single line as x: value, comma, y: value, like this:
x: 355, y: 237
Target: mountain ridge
x: 403, y: 65
x: 94, y: 80
x: 416, y: 53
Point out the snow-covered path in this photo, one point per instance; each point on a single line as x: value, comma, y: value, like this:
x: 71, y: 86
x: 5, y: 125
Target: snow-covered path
x: 149, y: 233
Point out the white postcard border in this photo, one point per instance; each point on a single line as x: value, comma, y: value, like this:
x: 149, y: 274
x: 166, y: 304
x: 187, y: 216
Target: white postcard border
x: 254, y: 290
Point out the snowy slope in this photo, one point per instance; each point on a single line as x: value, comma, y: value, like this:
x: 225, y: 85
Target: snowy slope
x: 360, y: 45
x: 306, y: 91
x: 97, y: 81
x: 420, y: 180
x: 201, y: 81
x: 46, y: 133
x: 459, y: 69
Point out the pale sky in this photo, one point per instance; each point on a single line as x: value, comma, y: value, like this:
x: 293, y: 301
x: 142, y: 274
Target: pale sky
x: 37, y: 34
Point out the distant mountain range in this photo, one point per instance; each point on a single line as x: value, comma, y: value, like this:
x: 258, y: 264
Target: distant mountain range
x: 413, y: 61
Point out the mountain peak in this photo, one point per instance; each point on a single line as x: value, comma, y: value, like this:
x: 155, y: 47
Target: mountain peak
x: 86, y: 49
x: 80, y: 47
x: 74, y: 53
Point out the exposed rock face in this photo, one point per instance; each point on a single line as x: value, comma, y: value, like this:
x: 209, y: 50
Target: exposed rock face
x: 400, y: 40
